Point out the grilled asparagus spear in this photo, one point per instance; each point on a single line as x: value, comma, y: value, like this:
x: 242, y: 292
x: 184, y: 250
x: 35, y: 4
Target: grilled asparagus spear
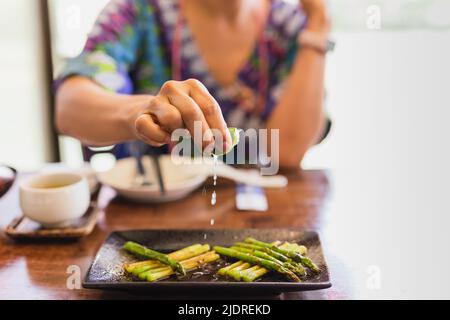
x: 293, y: 247
x: 267, y: 250
x: 180, y: 255
x: 189, y: 264
x: 235, y: 273
x: 147, y: 253
x: 253, y: 273
x: 258, y: 261
x: 224, y: 270
x: 291, y: 254
x: 291, y: 265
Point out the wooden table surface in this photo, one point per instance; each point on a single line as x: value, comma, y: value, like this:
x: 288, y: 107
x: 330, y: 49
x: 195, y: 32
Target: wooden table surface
x: 39, y: 270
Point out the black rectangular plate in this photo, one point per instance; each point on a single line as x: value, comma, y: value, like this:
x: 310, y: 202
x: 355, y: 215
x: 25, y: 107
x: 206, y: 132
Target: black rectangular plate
x: 106, y: 271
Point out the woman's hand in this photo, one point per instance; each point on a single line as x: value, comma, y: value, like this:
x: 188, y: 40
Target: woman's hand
x: 316, y: 11
x: 181, y: 104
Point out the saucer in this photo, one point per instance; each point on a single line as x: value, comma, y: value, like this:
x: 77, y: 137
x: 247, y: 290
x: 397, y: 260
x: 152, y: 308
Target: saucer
x: 24, y: 228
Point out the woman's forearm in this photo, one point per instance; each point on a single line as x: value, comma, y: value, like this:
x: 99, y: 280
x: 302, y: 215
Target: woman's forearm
x: 299, y: 115
x: 99, y: 118
x: 89, y: 113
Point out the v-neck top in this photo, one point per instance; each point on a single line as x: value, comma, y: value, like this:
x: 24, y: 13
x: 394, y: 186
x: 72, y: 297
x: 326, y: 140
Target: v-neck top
x: 129, y: 51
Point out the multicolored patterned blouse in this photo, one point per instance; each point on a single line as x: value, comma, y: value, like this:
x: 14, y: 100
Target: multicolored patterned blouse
x: 129, y: 51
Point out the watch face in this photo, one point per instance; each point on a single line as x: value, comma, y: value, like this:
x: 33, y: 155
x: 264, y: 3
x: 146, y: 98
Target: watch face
x: 331, y: 45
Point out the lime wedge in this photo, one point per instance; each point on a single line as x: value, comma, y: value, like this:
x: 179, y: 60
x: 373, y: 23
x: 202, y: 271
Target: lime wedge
x: 235, y: 136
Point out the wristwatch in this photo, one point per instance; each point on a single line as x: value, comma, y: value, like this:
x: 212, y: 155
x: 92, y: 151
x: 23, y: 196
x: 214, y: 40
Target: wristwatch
x: 315, y: 40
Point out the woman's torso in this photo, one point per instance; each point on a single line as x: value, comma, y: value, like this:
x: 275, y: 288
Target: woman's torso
x: 241, y: 102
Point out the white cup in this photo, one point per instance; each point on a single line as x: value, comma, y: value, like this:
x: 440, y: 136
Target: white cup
x: 54, y: 200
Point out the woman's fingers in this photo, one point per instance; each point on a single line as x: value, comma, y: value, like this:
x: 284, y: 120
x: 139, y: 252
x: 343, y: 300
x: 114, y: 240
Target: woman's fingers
x: 211, y: 111
x: 167, y: 116
x: 150, y: 132
x: 184, y: 104
x: 159, y: 120
x: 193, y: 118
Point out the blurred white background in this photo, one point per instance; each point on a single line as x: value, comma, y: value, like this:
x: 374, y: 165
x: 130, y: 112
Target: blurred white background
x: 24, y: 119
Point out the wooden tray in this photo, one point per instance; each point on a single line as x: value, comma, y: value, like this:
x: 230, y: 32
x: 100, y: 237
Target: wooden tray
x: 23, y: 228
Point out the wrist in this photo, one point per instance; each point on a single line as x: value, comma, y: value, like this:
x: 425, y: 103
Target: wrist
x: 132, y: 107
x: 316, y: 40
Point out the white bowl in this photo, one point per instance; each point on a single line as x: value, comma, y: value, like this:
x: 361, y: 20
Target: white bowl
x: 56, y: 199
x: 179, y: 180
